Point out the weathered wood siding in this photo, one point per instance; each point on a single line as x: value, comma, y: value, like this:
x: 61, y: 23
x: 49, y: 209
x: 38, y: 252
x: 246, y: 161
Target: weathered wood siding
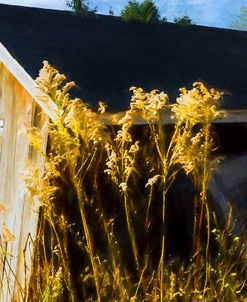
x: 18, y: 111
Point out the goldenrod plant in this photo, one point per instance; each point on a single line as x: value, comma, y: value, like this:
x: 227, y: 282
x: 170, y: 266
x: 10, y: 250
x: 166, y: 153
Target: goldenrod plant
x: 7, y: 277
x: 92, y: 245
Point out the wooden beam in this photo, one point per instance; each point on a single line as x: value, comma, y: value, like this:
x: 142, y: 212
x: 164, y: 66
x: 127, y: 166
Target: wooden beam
x: 232, y: 116
x: 27, y: 82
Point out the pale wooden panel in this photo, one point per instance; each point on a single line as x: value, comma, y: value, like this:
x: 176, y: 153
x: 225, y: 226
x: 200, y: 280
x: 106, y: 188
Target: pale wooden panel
x: 17, y: 108
x: 1, y: 88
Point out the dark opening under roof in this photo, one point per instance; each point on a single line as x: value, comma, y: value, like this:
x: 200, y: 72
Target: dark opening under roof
x: 105, y: 56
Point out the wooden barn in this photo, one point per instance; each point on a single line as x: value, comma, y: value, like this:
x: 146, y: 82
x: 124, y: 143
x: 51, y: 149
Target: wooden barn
x: 104, y: 56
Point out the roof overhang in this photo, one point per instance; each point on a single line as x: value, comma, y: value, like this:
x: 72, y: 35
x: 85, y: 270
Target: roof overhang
x: 50, y: 108
x: 232, y: 116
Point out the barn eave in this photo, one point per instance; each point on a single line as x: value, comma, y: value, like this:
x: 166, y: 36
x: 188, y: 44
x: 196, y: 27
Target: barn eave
x: 50, y: 108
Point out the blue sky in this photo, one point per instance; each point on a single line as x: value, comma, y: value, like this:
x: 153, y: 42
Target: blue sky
x: 218, y: 13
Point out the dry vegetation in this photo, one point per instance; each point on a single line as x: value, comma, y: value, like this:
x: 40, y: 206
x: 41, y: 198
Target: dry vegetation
x: 101, y: 184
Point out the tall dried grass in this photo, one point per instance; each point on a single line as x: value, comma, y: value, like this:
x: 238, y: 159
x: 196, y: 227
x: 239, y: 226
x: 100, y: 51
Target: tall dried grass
x: 83, y: 250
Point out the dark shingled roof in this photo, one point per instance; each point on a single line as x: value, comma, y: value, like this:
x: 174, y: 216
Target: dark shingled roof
x: 105, y: 56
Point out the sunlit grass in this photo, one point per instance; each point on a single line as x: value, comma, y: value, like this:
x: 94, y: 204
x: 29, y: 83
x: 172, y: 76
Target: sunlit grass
x: 79, y: 254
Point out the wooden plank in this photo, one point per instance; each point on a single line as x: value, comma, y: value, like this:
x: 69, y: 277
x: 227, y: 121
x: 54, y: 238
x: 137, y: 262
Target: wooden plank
x: 19, y: 111
x: 232, y: 116
x: 28, y: 83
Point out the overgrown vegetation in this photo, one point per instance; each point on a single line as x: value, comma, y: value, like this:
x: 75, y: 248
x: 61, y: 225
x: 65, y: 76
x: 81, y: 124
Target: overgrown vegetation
x: 241, y: 22
x: 6, y: 237
x: 104, y: 194
x: 184, y: 20
x: 80, y: 7
x: 146, y: 12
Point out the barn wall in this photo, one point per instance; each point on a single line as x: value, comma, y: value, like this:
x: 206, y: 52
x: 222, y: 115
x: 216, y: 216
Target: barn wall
x: 18, y: 111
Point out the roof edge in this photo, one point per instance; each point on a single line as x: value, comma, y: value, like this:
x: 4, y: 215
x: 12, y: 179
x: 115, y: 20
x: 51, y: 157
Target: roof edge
x: 116, y: 17
x: 50, y: 108
x: 27, y: 82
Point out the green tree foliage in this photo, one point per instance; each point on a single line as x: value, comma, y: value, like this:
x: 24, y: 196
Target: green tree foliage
x: 146, y: 12
x: 149, y: 12
x: 78, y: 6
x: 241, y: 22
x: 131, y: 11
x: 184, y: 20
